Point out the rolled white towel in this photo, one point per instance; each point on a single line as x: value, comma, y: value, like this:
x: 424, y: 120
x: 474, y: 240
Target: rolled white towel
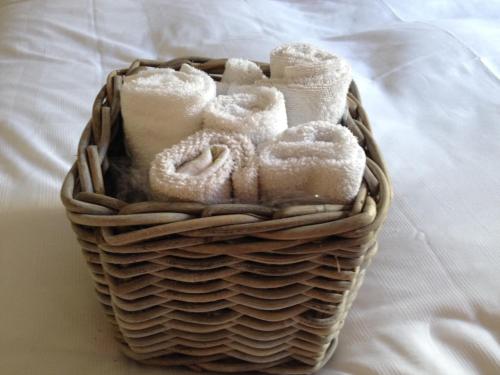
x: 292, y: 54
x: 256, y: 111
x: 239, y: 72
x: 221, y: 88
x: 314, y: 82
x: 313, y: 160
x: 162, y: 106
x: 208, y: 167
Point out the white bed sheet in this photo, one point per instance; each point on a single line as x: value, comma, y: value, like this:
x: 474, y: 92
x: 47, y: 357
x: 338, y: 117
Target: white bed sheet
x: 429, y: 77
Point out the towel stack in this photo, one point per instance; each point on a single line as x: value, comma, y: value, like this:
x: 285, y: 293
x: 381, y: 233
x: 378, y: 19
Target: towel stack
x: 258, y: 140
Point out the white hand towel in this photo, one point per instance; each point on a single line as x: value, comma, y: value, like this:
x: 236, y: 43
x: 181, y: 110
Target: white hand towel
x: 296, y: 54
x: 162, y: 106
x: 208, y: 167
x: 313, y: 160
x: 257, y: 112
x: 314, y: 82
x: 238, y: 72
x: 222, y: 88
x: 241, y: 72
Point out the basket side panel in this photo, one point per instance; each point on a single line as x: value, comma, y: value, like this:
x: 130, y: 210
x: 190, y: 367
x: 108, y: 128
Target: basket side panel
x: 223, y: 313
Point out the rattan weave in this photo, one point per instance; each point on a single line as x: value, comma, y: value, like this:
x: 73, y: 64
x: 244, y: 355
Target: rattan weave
x: 221, y: 288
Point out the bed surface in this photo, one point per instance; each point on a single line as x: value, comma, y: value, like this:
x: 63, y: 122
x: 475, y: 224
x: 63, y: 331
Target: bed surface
x: 429, y: 79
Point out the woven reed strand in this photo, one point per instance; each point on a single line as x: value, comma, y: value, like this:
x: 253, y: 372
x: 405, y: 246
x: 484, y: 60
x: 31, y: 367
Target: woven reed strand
x: 222, y: 288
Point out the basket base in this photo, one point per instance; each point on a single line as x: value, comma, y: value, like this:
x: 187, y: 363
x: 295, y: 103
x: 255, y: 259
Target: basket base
x: 219, y: 367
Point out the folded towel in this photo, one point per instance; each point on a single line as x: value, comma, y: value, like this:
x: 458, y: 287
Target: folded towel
x: 239, y: 72
x: 257, y: 112
x: 314, y: 82
x: 313, y: 160
x: 208, y: 167
x: 162, y: 106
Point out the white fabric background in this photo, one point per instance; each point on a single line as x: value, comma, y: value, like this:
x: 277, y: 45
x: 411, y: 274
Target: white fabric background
x: 429, y: 76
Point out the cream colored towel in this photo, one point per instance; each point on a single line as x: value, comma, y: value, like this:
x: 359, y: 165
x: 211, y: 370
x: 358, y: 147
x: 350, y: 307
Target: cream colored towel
x: 208, y: 167
x: 293, y: 54
x: 314, y: 160
x: 160, y: 107
x: 314, y: 82
x: 257, y: 112
x: 239, y: 72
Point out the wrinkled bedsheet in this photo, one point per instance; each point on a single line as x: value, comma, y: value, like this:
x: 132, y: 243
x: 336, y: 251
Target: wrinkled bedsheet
x: 429, y: 78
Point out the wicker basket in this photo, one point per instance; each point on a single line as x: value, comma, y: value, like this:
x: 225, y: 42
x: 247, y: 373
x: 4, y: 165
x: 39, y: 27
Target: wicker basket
x: 221, y: 288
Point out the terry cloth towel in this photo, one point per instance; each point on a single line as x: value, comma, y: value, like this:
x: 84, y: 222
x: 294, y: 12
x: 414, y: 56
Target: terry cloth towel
x: 160, y: 107
x: 238, y: 72
x: 208, y: 167
x: 256, y: 111
x: 296, y: 54
x: 314, y: 82
x: 314, y: 160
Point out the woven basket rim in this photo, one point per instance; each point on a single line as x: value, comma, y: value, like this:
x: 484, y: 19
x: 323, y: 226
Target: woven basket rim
x: 83, y: 194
